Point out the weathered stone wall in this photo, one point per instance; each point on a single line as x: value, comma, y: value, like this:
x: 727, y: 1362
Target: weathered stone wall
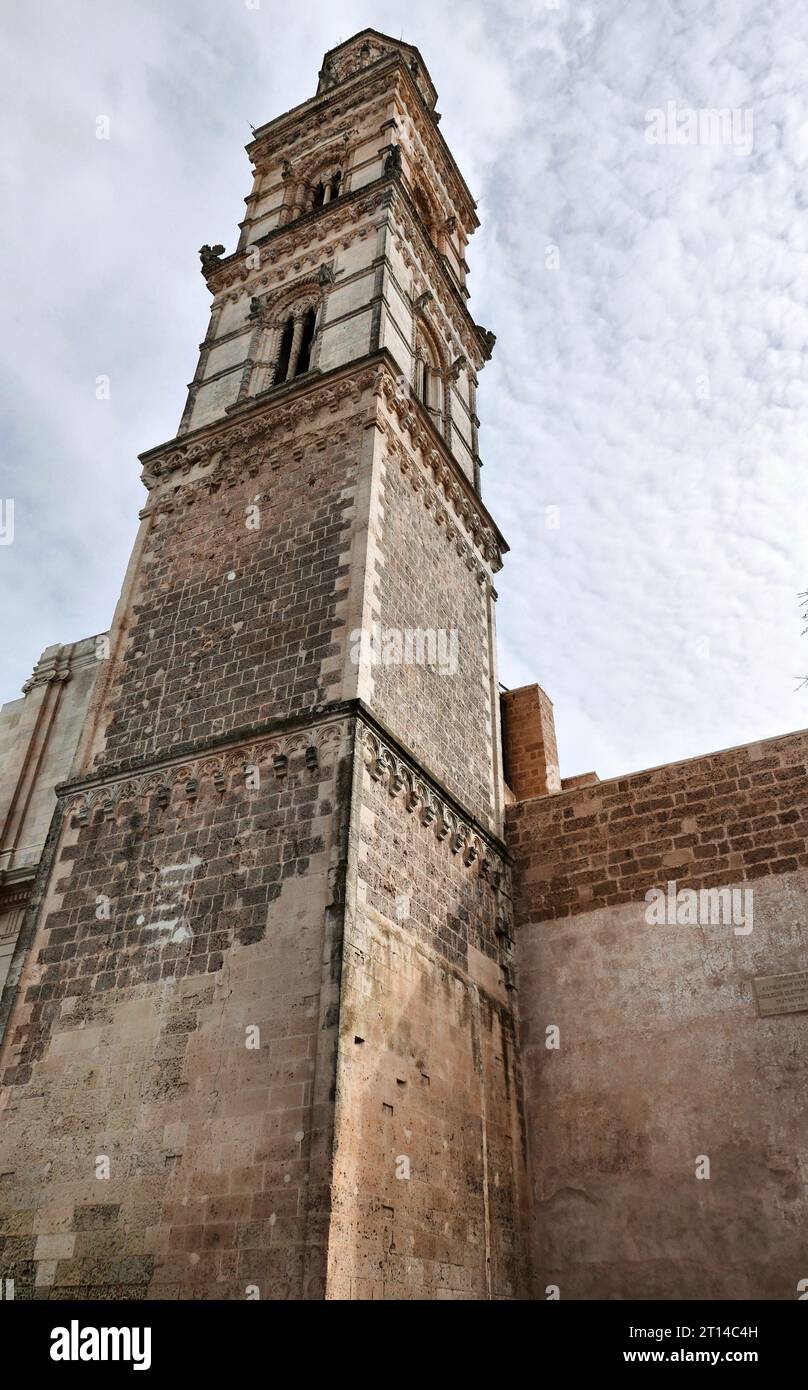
x: 662, y: 1056
x: 433, y: 681
x: 39, y: 736
x: 233, y: 615
x: 187, y: 903
x: 529, y: 751
x: 172, y: 931
x: 198, y: 897
x: 429, y: 1171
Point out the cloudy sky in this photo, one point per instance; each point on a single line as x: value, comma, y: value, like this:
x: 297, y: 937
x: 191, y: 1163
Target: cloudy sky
x: 645, y: 412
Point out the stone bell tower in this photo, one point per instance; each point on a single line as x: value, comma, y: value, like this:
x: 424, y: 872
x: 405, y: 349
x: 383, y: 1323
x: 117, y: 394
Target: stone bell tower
x: 263, y: 1043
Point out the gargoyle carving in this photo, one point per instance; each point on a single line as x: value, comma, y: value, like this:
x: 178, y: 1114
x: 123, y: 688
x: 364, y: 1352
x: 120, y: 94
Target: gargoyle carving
x: 489, y: 339
x: 392, y: 164
x: 210, y: 256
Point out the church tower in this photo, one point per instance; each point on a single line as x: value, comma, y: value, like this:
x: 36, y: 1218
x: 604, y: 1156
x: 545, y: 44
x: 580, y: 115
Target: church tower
x: 263, y: 1040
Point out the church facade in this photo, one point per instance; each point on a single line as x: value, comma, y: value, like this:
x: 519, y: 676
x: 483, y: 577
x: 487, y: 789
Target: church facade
x: 320, y: 981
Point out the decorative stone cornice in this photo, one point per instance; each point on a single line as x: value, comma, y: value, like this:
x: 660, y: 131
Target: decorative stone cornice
x: 302, y: 246
x: 320, y: 116
x: 439, y: 514
x: 224, y: 453
x: 238, y: 446
x: 364, y: 50
x: 315, y: 121
x: 59, y: 663
x: 447, y: 489
x: 277, y: 756
x: 300, y: 241
x: 421, y: 799
x: 13, y: 897
x: 45, y: 677
x: 435, y: 290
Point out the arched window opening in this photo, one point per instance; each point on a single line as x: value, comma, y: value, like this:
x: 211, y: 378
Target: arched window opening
x: 306, y: 342
x: 285, y: 350
x: 429, y: 380
x: 327, y: 189
x: 294, y: 352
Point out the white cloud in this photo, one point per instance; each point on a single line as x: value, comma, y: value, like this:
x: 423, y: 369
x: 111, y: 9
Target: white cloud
x: 653, y: 387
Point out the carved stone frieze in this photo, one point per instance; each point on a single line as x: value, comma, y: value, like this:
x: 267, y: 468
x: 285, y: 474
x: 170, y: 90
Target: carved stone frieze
x: 300, y: 133
x: 418, y: 255
x: 421, y: 799
x: 278, y: 757
x: 45, y: 677
x: 239, y: 446
x: 305, y: 245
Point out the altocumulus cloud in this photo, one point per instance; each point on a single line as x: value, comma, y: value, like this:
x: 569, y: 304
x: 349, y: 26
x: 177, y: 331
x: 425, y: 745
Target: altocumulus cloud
x: 645, y: 412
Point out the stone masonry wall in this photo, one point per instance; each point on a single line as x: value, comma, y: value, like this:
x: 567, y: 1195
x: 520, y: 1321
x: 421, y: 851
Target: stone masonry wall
x: 219, y: 863
x: 529, y: 751
x: 440, y: 707
x: 429, y: 1186
x: 661, y: 1056
x: 168, y: 1079
x: 234, y: 610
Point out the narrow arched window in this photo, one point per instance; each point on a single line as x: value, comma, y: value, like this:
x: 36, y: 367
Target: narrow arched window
x: 336, y: 184
x: 294, y: 352
x: 428, y: 382
x: 319, y: 196
x: 285, y: 350
x: 429, y: 390
x: 306, y: 341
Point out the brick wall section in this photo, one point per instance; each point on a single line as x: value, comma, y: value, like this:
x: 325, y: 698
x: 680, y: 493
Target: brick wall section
x: 660, y: 1056
x: 735, y: 815
x: 529, y: 752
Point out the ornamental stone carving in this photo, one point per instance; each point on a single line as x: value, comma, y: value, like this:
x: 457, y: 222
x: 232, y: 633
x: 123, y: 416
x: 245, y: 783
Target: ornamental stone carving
x: 425, y: 802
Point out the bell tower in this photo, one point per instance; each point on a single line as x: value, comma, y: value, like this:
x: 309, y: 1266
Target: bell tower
x: 263, y: 1044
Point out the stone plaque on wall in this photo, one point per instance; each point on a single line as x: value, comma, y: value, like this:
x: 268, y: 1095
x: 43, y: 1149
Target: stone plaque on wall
x: 782, y: 994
